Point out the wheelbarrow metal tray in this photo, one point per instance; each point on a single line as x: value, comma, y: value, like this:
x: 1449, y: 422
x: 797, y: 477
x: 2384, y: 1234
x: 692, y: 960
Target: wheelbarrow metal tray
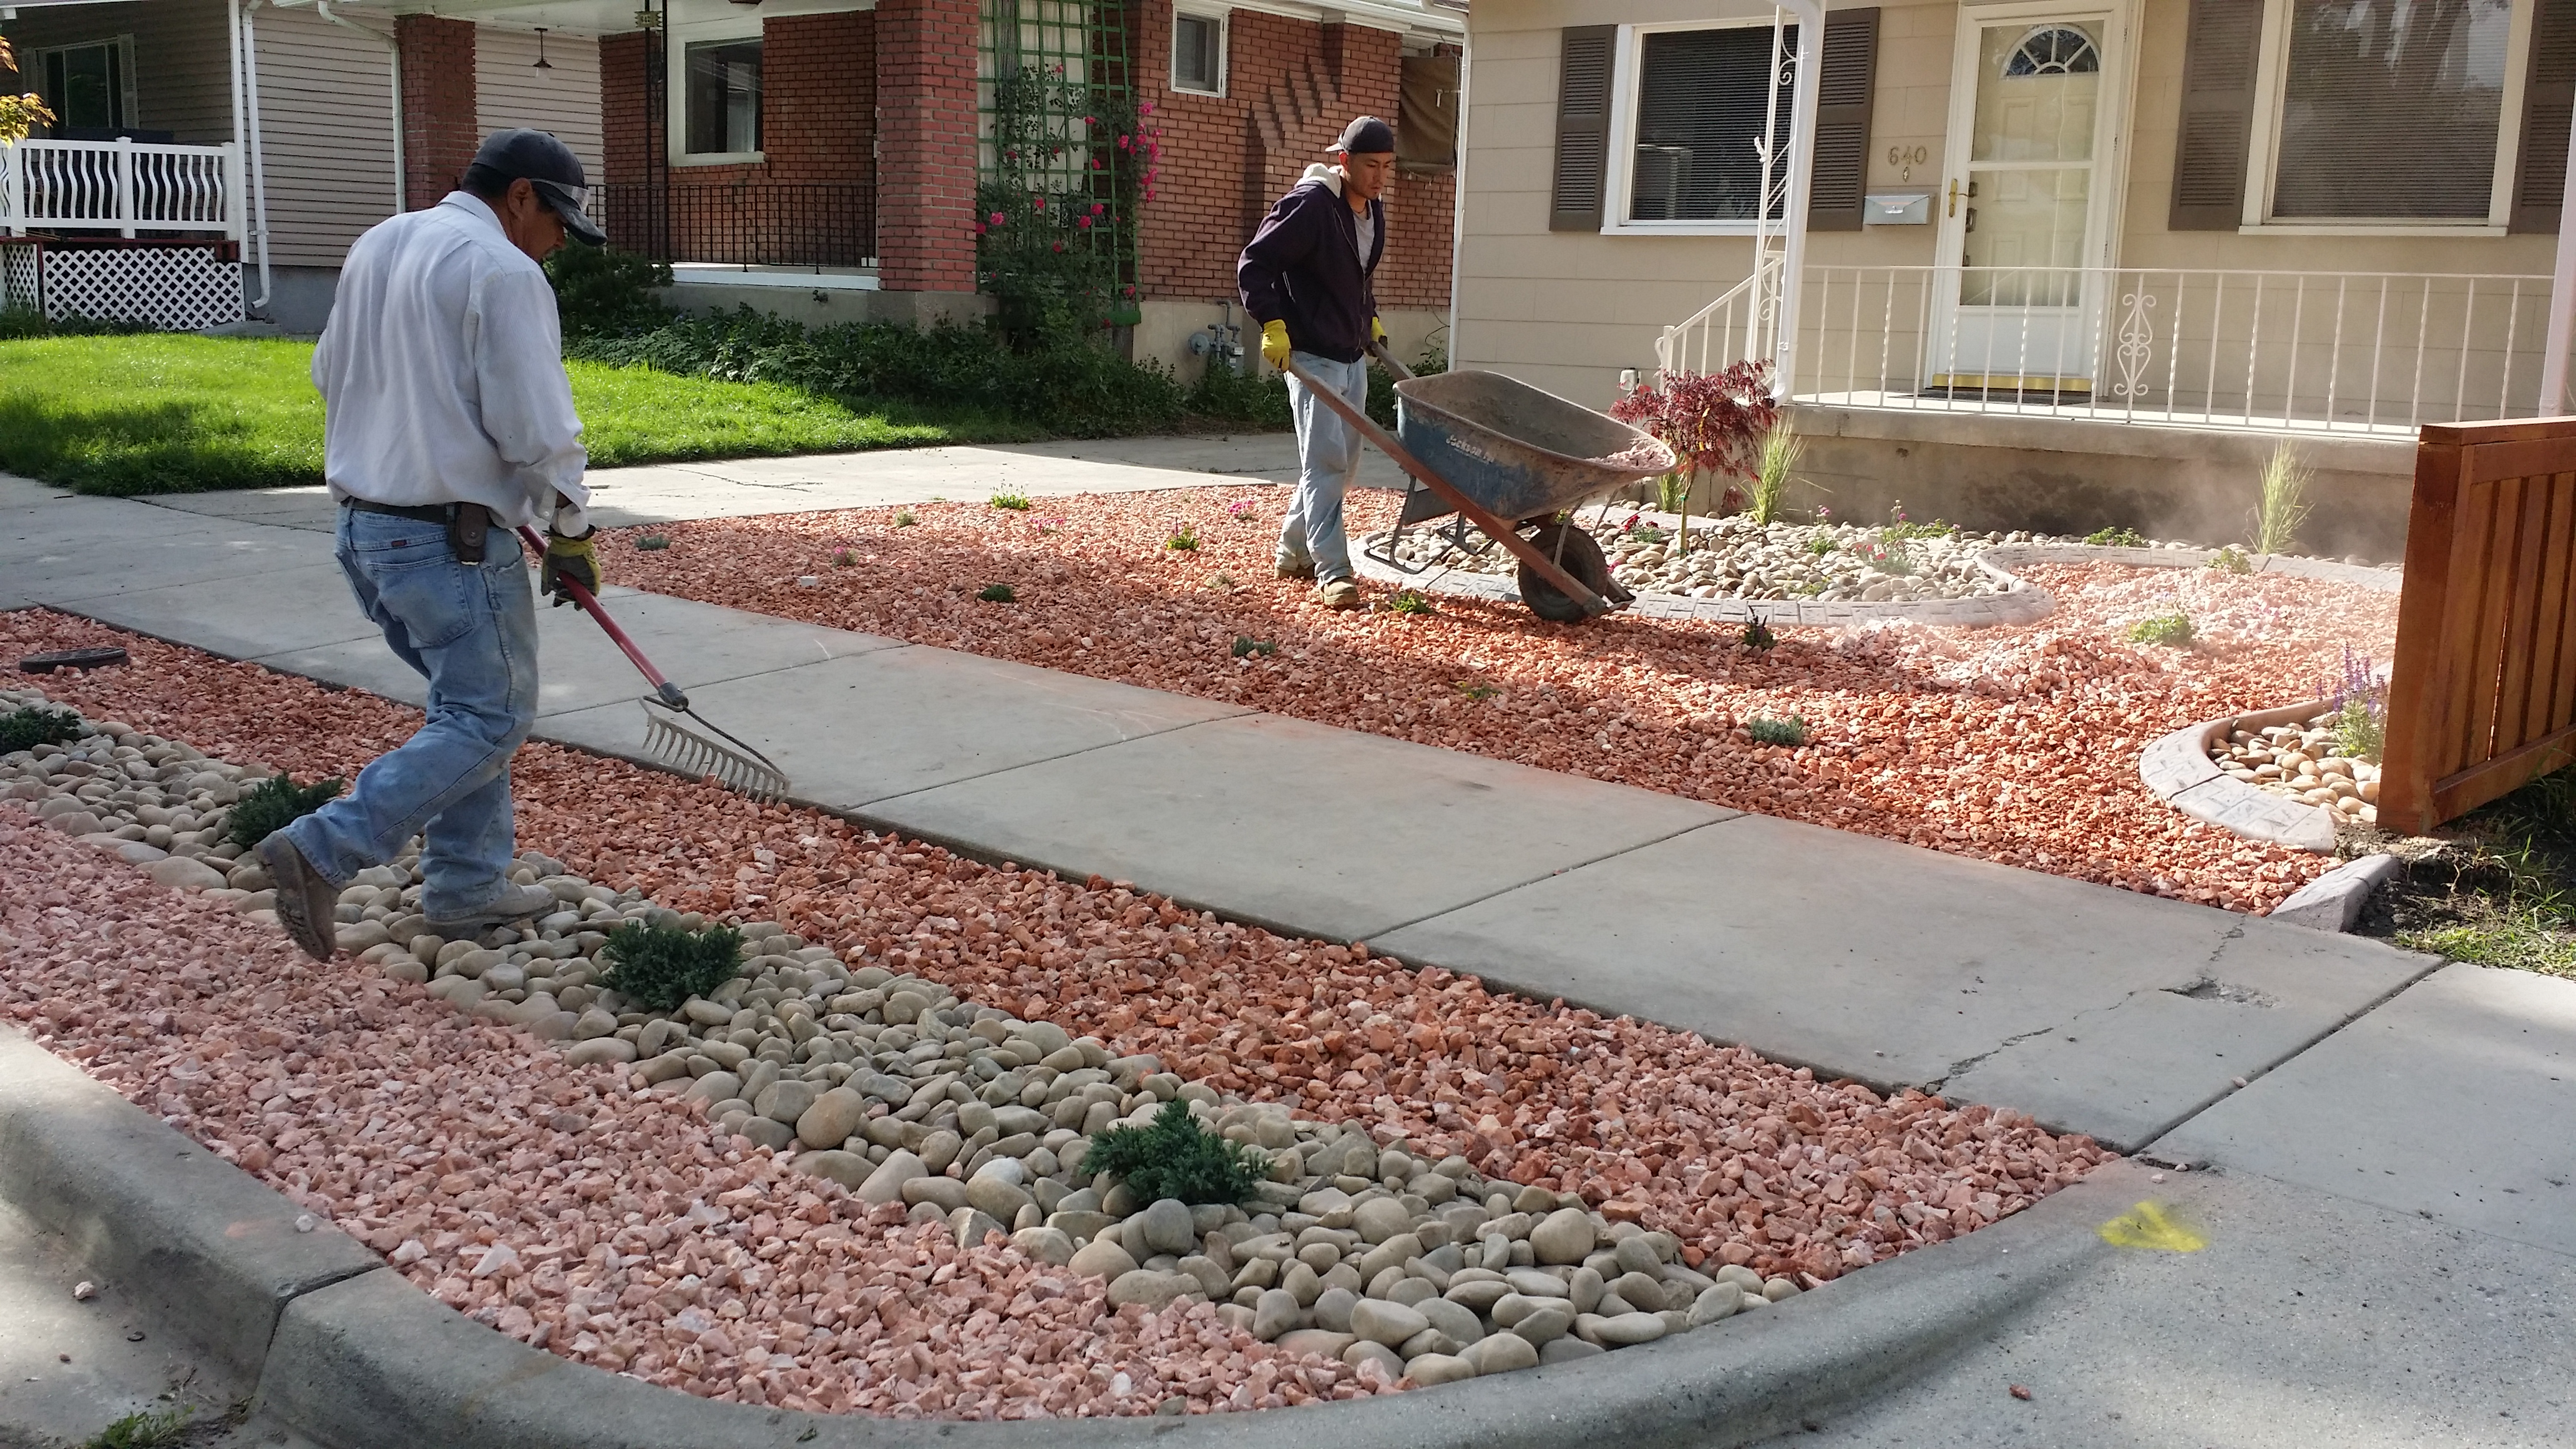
x: 1517, y: 450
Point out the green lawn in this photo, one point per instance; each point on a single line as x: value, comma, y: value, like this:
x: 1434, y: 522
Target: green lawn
x: 173, y: 413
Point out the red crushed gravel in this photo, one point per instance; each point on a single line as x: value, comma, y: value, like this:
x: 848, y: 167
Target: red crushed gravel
x: 1745, y: 1160
x: 2017, y: 745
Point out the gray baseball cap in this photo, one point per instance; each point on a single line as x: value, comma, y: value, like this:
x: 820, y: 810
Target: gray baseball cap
x: 550, y: 167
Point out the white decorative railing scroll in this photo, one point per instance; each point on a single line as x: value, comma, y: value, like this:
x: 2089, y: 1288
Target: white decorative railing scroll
x: 124, y: 188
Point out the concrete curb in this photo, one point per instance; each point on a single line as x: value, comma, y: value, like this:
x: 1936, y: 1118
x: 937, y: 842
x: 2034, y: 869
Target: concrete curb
x: 353, y: 1356
x: 2333, y: 901
x: 188, y: 1235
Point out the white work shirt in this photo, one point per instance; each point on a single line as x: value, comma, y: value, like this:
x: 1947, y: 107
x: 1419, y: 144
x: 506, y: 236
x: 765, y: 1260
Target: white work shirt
x: 442, y: 376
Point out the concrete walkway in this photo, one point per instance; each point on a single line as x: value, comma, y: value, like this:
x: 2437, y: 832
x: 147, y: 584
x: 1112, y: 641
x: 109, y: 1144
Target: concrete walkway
x: 675, y: 492
x: 2375, y: 1093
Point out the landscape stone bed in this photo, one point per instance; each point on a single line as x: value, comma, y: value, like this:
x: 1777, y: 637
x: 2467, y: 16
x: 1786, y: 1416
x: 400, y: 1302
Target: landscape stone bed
x: 2305, y: 761
x: 823, y: 1108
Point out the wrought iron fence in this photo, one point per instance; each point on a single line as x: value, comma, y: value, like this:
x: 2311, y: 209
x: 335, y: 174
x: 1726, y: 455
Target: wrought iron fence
x: 744, y: 221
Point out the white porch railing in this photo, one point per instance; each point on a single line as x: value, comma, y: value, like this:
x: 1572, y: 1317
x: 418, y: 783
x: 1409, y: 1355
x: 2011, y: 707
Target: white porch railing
x: 125, y: 187
x: 2224, y: 349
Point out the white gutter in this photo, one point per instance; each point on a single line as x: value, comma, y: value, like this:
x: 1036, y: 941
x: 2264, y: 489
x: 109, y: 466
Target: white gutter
x: 2562, y: 298
x: 1802, y: 164
x: 258, y: 152
x: 393, y: 61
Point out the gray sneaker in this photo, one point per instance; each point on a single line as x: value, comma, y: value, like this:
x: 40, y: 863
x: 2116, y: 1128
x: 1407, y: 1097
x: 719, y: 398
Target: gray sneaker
x: 306, y: 902
x: 514, y: 903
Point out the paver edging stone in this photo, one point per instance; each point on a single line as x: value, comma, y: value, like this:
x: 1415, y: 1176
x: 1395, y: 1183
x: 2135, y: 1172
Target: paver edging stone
x: 2020, y: 602
x: 2177, y: 769
x: 358, y: 1356
x: 376, y: 1360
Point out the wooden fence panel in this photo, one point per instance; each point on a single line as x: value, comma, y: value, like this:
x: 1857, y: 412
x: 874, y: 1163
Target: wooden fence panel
x: 2482, y: 694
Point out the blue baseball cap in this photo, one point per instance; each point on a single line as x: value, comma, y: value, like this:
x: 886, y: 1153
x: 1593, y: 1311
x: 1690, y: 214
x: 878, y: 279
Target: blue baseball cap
x: 549, y: 166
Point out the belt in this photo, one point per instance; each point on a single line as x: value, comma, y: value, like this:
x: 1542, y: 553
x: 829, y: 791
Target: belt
x: 438, y: 513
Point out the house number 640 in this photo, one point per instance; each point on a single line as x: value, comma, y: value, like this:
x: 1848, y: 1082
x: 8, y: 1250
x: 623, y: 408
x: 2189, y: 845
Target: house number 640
x: 1906, y: 158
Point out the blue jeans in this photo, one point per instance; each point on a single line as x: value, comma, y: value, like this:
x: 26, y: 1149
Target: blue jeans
x: 1328, y: 458
x: 471, y: 631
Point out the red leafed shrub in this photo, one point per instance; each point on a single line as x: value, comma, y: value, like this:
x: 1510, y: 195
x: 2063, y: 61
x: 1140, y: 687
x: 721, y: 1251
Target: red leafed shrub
x: 1714, y: 420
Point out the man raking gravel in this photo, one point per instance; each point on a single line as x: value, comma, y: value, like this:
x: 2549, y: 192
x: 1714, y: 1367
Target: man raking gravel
x: 448, y: 421
x: 1306, y: 277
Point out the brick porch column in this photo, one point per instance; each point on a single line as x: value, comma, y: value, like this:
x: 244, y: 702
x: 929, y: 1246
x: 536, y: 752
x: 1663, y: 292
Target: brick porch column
x: 925, y: 70
x: 439, y: 134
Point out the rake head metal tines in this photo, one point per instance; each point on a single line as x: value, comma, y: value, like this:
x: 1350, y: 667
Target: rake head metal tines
x: 734, y: 764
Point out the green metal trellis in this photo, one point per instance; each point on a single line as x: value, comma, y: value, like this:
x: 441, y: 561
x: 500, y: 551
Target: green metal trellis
x: 1063, y: 162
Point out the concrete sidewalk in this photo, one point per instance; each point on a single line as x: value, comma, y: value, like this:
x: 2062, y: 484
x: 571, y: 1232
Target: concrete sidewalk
x: 2343, y: 1091
x: 677, y: 492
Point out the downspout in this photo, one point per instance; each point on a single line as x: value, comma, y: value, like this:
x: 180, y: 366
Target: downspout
x: 258, y: 152
x: 1458, y: 190
x: 2562, y: 297
x: 1802, y: 162
x: 393, y: 61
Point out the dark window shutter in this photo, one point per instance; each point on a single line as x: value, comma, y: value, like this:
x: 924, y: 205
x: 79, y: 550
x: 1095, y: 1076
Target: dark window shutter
x: 1841, y: 171
x: 2548, y: 105
x: 2217, y: 124
x: 1582, y: 128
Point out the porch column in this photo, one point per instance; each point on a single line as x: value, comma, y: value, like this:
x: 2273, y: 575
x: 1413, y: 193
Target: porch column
x: 1802, y: 165
x: 438, y: 120
x: 926, y: 154
x: 2562, y: 295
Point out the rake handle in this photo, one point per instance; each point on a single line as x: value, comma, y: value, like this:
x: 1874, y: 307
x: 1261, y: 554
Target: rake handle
x: 588, y: 602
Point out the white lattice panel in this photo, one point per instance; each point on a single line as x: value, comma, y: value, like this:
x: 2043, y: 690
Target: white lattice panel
x: 179, y: 289
x: 18, y: 272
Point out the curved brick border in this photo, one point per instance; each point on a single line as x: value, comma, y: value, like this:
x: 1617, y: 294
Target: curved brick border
x: 2022, y: 602
x: 2179, y: 771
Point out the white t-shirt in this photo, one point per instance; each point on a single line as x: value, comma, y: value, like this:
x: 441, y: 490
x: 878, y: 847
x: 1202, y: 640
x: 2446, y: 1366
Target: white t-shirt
x: 1366, y: 220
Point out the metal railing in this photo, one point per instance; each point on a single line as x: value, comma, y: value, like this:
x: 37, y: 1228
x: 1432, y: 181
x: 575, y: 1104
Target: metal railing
x: 742, y: 221
x: 2206, y: 348
x: 129, y: 188
x: 1743, y: 322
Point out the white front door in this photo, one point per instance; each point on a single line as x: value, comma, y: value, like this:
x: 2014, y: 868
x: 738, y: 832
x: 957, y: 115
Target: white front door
x: 2023, y: 210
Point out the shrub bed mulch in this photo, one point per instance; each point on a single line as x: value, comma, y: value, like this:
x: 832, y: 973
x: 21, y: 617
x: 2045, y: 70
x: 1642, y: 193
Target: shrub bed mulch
x: 2016, y: 745
x: 1744, y: 1160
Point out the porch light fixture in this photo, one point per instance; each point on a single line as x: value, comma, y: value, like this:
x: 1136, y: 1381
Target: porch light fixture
x: 542, y: 62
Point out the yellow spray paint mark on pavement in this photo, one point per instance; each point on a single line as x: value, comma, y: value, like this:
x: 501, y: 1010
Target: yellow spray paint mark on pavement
x: 2148, y: 1225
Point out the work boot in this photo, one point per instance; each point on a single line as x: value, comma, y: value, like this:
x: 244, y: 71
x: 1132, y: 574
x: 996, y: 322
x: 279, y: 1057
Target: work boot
x: 306, y: 902
x: 1338, y: 594
x: 1301, y: 569
x: 515, y: 902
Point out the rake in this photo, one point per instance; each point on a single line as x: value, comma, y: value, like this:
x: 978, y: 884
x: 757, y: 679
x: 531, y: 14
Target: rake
x: 668, y: 737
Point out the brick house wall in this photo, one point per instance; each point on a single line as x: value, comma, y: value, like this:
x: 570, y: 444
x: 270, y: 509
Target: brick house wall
x: 439, y: 122
x: 925, y: 81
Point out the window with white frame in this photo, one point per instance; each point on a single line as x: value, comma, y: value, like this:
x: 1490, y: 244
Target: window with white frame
x: 1690, y: 127
x: 1198, y: 52
x: 89, y: 88
x: 718, y: 100
x: 2388, y: 111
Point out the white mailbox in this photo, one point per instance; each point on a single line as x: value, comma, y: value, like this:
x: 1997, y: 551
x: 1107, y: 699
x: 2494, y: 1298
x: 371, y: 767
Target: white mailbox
x: 1898, y: 208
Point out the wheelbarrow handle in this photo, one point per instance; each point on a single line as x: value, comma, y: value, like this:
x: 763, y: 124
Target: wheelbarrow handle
x: 1499, y: 529
x: 1378, y: 350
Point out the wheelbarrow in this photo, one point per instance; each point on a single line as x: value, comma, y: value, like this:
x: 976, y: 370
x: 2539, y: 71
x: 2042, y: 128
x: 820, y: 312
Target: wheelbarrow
x: 1506, y: 457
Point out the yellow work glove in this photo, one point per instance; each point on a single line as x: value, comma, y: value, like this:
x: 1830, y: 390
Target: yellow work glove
x: 1377, y: 330
x: 1274, y: 344
x: 574, y: 559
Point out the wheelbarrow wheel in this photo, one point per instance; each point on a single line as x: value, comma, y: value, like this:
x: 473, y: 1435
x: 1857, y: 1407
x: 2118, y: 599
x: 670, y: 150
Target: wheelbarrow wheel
x: 1578, y: 556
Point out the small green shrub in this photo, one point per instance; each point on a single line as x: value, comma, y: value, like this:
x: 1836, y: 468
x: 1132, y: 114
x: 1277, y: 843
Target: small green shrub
x: 658, y: 967
x: 1228, y: 396
x: 2360, y: 731
x: 37, y: 724
x: 276, y: 803
x: 1245, y: 646
x: 2171, y: 630
x: 903, y: 518
x: 1476, y: 689
x: 2116, y: 538
x: 1820, y: 546
x: 653, y: 542
x: 1768, y: 500
x: 2231, y: 560
x: 1757, y: 635
x: 1409, y: 601
x: 842, y: 558
x: 1184, y: 539
x: 1173, y: 1156
x: 150, y: 1429
x: 1889, y: 558
x: 1011, y: 502
x: 1672, y: 493
x: 998, y: 594
x: 2282, y: 505
x: 1768, y: 731
x: 601, y: 291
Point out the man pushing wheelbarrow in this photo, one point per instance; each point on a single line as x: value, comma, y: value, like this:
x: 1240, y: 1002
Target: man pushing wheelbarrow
x: 1305, y: 277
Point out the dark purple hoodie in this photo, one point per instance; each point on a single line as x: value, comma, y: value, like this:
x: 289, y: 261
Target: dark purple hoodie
x: 1304, y: 266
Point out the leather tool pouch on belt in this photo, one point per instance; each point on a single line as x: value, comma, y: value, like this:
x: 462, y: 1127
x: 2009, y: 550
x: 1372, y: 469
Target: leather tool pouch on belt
x: 465, y: 530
